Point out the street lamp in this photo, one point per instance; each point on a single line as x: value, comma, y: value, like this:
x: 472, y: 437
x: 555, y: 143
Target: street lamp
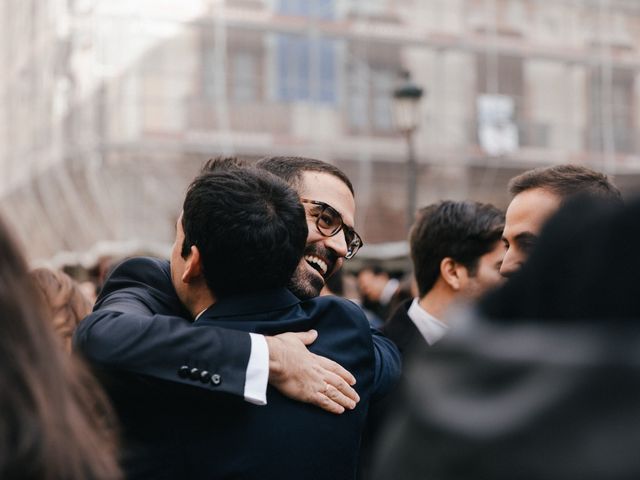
x: 406, y: 108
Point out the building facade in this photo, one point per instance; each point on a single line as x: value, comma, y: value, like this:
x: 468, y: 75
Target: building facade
x: 108, y: 107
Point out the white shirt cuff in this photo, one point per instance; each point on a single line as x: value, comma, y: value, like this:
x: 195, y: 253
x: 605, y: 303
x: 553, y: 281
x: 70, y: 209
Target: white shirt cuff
x: 255, y: 386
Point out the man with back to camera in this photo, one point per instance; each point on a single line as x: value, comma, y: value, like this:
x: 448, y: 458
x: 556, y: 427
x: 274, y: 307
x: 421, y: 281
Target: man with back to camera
x: 152, y: 333
x: 538, y: 194
x: 457, y: 252
x: 240, y: 237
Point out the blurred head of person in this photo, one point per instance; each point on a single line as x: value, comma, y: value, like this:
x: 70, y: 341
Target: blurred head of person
x: 372, y: 280
x: 240, y: 231
x: 456, y: 252
x: 65, y: 301
x: 537, y: 194
x: 583, y: 267
x: 54, y: 418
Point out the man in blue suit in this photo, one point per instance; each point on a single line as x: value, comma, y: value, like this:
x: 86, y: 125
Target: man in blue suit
x: 231, y: 260
x: 246, y: 361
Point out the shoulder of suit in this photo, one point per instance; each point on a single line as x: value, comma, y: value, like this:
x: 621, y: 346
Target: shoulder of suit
x: 335, y: 305
x: 143, y: 269
x: 399, y: 318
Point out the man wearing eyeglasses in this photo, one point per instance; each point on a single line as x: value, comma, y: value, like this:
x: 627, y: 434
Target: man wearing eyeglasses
x: 241, y: 364
x: 327, y: 195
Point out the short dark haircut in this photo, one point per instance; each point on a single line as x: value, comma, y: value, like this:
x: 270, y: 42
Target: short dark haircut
x: 290, y: 169
x: 222, y: 163
x: 249, y: 227
x: 566, y: 181
x: 463, y: 231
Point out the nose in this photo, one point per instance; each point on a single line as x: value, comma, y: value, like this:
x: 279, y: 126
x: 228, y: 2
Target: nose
x: 337, y: 243
x: 511, y: 263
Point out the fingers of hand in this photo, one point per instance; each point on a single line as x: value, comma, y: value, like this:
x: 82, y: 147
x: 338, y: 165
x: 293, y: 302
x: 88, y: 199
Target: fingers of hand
x: 324, y: 402
x: 336, y: 396
x: 339, y: 385
x: 337, y: 369
x: 306, y: 338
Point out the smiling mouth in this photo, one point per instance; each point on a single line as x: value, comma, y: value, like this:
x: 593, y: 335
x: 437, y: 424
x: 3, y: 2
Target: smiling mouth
x: 317, y: 264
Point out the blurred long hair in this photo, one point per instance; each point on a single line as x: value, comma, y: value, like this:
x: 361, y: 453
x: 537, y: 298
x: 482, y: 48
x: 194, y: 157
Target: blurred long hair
x: 55, y: 422
x: 66, y: 303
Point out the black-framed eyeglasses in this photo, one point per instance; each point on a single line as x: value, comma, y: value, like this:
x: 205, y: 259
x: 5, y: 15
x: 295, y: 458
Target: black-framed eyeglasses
x: 329, y: 222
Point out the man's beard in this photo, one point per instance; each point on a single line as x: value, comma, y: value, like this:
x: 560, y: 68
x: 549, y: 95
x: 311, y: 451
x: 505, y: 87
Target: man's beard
x: 305, y: 284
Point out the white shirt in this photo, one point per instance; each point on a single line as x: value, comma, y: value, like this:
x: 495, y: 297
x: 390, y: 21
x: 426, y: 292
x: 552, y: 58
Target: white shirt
x: 429, y: 326
x: 257, y: 375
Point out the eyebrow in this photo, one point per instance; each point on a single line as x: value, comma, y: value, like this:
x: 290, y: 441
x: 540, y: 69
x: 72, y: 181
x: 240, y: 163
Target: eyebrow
x: 526, y: 236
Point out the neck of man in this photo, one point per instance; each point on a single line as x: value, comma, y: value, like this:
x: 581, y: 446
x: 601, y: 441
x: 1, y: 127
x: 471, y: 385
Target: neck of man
x: 438, y: 300
x: 198, y: 298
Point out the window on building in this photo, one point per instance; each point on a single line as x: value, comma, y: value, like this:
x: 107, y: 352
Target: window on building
x: 306, y: 68
x: 382, y: 83
x: 209, y: 67
x: 611, y: 107
x: 500, y: 88
x: 321, y: 9
x: 369, y: 97
x: 245, y: 81
x: 357, y: 96
x: 366, y: 7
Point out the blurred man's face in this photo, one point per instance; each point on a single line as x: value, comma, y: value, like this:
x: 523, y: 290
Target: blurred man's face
x: 177, y: 262
x: 526, y: 214
x: 323, y: 256
x: 487, y: 274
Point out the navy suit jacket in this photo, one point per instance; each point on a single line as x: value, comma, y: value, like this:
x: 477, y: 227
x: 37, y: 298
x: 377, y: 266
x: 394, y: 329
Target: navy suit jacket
x: 172, y: 431
x: 401, y: 329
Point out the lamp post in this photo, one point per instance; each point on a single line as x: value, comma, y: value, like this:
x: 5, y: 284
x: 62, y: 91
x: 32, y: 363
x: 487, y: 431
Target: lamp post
x: 406, y: 107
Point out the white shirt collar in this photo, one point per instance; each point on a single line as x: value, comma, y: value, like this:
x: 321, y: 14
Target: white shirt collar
x: 429, y: 326
x: 200, y: 314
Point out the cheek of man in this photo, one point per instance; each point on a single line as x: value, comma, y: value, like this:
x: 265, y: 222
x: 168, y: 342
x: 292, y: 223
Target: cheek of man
x: 487, y: 275
x: 306, y: 284
x: 177, y: 262
x: 518, y: 249
x: 525, y: 217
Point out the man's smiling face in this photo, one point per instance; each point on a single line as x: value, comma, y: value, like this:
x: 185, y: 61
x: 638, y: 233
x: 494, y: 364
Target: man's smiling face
x: 323, y: 256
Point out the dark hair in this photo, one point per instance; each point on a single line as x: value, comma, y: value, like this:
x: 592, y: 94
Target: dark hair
x: 222, y: 163
x: 249, y: 227
x: 54, y: 419
x: 463, y: 231
x: 290, y: 169
x: 566, y: 181
x: 584, y: 266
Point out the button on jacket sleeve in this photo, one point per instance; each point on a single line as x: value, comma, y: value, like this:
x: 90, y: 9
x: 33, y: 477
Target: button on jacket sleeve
x: 138, y: 325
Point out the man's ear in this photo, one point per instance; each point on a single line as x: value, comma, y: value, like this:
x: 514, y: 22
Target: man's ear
x: 192, y: 266
x: 453, y: 273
